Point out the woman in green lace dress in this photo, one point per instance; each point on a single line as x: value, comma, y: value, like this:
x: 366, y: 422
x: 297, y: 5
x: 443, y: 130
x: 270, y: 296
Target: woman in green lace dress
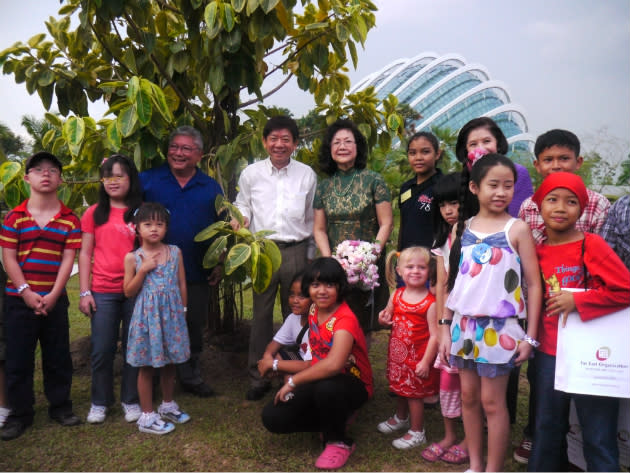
x: 354, y: 203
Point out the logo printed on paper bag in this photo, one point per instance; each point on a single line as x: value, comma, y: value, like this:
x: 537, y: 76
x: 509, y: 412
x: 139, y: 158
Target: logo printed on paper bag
x: 603, y: 353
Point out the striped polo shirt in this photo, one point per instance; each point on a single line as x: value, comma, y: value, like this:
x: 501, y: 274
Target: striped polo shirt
x: 39, y: 250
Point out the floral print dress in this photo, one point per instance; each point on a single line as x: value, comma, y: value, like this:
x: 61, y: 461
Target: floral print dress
x: 158, y: 334
x: 349, y: 200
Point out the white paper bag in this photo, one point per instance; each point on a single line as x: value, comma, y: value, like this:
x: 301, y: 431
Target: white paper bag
x: 593, y: 357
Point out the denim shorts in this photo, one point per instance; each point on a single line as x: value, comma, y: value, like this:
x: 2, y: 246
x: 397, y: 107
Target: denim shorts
x: 486, y: 370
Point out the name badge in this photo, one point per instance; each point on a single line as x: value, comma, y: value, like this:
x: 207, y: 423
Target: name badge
x: 405, y: 195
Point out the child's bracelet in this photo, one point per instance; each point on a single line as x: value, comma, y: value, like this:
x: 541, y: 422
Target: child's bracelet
x: 85, y: 293
x: 23, y: 288
x: 531, y: 341
x: 274, y: 366
x: 185, y: 309
x: 445, y: 321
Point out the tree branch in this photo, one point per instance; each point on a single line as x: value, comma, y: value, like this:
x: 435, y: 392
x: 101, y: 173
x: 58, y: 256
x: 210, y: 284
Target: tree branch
x: 271, y: 92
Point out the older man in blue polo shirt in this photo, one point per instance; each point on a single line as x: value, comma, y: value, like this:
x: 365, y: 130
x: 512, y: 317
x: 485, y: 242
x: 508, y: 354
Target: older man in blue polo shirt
x: 189, y: 195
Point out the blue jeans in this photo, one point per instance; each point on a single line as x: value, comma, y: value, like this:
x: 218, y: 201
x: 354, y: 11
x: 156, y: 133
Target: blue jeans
x: 112, y: 310
x: 598, y: 421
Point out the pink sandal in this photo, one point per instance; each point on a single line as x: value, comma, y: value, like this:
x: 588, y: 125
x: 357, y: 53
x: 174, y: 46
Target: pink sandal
x: 334, y: 456
x: 433, y: 452
x: 455, y: 456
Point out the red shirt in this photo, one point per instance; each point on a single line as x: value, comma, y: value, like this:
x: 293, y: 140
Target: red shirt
x: 112, y: 241
x: 321, y: 340
x: 608, y: 282
x: 39, y: 250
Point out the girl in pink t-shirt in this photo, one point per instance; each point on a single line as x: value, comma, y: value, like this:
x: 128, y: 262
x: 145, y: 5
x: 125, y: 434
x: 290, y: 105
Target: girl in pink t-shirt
x: 108, y: 235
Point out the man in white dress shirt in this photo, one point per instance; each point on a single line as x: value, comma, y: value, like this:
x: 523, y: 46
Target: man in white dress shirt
x: 276, y: 194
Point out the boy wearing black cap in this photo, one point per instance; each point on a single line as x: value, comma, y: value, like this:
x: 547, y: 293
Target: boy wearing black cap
x: 39, y: 239
x: 572, y: 259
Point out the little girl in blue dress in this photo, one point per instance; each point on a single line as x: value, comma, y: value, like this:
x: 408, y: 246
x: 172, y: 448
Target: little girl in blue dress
x: 158, y: 336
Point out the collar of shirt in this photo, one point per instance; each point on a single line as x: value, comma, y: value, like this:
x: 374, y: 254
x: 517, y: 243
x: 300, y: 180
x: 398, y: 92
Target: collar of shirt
x: 274, y: 170
x: 63, y: 210
x: 168, y: 174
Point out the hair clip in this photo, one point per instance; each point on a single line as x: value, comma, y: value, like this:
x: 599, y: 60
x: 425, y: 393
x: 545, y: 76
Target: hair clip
x: 398, y: 254
x: 103, y: 161
x: 135, y: 212
x: 475, y: 155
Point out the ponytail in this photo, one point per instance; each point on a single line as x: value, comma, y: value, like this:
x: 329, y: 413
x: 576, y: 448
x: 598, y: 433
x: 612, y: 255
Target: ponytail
x: 467, y: 201
x: 390, y: 268
x: 394, y: 257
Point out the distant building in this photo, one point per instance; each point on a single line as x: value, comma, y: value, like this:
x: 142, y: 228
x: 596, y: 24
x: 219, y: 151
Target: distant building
x: 447, y: 92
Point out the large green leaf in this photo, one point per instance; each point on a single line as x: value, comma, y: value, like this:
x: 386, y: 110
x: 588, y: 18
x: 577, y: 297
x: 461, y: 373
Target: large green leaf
x: 127, y: 120
x: 113, y: 136
x: 394, y: 121
x: 213, y: 254
x: 342, y: 32
x: 251, y: 6
x: 143, y: 103
x: 237, y: 255
x: 273, y: 253
x: 210, y: 14
x: 245, y: 234
x: 239, y: 5
x: 263, y: 233
x: 211, y: 230
x: 268, y: 5
x: 73, y: 131
x: 8, y: 171
x: 228, y: 17
x: 132, y: 88
x: 261, y: 273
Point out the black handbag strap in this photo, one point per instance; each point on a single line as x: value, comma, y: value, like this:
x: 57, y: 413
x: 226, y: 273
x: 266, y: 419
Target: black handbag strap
x: 298, y: 340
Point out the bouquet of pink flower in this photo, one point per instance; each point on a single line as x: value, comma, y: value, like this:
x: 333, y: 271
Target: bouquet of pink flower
x: 358, y: 259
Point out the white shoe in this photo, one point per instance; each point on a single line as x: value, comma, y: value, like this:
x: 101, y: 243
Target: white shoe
x: 132, y: 412
x: 416, y: 439
x: 97, y: 414
x: 388, y: 427
x: 150, y: 423
x: 4, y: 413
x: 170, y: 411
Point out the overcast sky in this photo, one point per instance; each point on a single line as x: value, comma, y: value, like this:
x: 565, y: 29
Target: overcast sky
x: 566, y: 62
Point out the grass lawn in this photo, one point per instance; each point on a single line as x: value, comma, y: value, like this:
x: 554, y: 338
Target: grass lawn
x: 225, y: 434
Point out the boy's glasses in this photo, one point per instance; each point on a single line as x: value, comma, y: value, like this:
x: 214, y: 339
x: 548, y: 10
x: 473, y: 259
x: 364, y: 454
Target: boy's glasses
x: 50, y: 171
x: 113, y: 179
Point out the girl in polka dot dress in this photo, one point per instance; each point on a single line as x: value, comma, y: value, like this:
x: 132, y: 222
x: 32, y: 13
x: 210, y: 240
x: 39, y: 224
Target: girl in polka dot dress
x: 487, y: 258
x: 413, y: 345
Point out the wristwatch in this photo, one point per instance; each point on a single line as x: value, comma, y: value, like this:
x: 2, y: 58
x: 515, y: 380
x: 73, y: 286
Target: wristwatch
x: 445, y: 321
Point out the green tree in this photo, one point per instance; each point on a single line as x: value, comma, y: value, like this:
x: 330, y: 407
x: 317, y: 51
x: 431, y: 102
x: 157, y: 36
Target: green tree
x: 158, y: 64
x: 162, y: 63
x: 10, y: 143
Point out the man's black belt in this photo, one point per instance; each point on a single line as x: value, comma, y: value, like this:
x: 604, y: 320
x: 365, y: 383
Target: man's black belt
x: 288, y: 244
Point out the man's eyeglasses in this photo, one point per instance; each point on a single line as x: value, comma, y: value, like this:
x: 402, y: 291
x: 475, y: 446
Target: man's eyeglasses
x: 185, y: 149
